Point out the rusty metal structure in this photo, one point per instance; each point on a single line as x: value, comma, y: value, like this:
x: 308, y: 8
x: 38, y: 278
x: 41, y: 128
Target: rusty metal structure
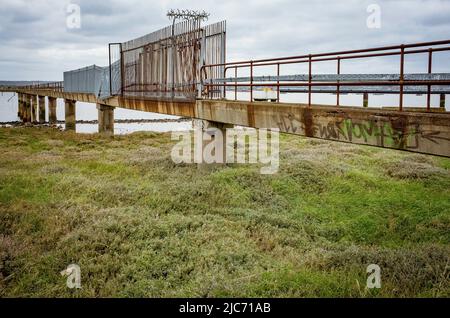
x: 186, y: 61
x: 181, y: 70
x: 140, y: 79
x: 338, y: 83
x: 50, y: 86
x: 166, y: 64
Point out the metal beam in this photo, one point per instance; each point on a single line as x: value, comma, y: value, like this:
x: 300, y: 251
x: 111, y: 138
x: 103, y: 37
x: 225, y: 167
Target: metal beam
x: 380, y: 89
x: 336, y: 77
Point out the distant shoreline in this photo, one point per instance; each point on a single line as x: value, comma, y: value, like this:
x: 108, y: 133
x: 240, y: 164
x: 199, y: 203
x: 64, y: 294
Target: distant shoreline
x: 117, y: 121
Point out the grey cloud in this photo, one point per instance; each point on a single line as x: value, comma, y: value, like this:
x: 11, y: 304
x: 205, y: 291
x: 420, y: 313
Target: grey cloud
x: 35, y: 42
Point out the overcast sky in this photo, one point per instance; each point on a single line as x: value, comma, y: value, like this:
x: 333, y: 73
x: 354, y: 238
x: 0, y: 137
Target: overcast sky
x: 36, y: 43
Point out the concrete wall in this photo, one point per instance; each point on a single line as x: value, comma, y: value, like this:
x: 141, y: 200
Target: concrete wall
x: 418, y: 132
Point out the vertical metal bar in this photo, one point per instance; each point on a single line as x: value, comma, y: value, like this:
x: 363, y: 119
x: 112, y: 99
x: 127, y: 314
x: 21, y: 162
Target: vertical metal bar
x: 309, y: 81
x: 122, y: 78
x: 402, y: 71
x: 338, y: 87
x: 224, y: 54
x: 173, y: 58
x: 430, y: 65
x: 278, y: 82
x: 365, y: 99
x: 235, y: 83
x: 251, y: 81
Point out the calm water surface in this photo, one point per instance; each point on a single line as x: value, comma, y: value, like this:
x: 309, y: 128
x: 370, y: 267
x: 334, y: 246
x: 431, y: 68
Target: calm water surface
x: 87, y: 111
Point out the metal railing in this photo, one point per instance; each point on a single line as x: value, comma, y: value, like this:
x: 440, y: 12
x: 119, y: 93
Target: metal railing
x: 53, y: 86
x: 211, y: 85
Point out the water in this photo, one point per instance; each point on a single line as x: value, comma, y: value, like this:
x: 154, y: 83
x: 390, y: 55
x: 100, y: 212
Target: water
x: 128, y: 128
x: 88, y: 111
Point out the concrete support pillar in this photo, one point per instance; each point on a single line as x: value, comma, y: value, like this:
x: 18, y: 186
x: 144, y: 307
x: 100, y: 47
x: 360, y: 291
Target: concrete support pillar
x: 28, y: 108
x: 105, y: 120
x: 35, y: 101
x: 19, y: 106
x: 70, y: 114
x: 442, y: 101
x: 41, y: 106
x: 32, y: 101
x: 366, y: 100
x: 218, y: 128
x: 52, y: 110
x: 31, y: 108
x: 23, y: 107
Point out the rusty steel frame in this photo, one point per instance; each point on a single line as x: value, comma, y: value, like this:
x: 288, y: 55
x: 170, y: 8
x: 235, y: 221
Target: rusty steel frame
x: 166, y: 64
x: 339, y: 56
x: 115, y: 82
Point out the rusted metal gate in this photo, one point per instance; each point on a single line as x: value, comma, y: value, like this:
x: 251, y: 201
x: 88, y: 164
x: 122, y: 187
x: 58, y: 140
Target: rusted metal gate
x: 166, y: 64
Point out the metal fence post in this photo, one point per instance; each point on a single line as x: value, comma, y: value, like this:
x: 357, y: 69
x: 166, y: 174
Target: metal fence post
x: 402, y: 71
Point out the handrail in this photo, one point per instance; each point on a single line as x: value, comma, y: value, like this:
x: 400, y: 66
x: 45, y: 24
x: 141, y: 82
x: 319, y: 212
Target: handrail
x: 215, y: 84
x: 55, y: 86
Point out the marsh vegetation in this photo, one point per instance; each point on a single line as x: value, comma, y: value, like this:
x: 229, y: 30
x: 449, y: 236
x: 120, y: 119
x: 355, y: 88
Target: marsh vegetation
x: 139, y: 225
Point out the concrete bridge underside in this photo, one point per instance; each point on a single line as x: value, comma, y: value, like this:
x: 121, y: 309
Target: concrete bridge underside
x: 411, y: 131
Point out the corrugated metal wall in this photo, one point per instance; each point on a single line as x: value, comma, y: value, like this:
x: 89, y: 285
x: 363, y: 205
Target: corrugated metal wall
x: 90, y: 80
x: 84, y: 80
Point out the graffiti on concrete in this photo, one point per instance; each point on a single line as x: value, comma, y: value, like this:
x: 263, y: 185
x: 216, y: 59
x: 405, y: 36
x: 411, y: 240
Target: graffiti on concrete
x: 385, y: 132
x: 289, y: 123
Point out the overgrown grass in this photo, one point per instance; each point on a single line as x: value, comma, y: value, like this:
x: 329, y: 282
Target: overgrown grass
x: 140, y: 226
